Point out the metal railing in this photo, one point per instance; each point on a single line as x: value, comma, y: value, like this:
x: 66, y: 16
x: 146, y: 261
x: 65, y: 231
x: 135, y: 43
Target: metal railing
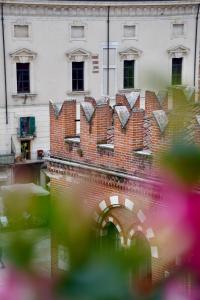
x: 22, y: 134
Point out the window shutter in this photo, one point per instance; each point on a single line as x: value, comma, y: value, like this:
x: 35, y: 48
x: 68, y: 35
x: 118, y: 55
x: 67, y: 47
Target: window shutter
x: 21, y: 125
x: 32, y: 125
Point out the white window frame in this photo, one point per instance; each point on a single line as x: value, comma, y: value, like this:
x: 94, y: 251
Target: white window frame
x: 112, y: 45
x: 136, y: 31
x: 178, y: 22
x: 178, y: 52
x: 129, y: 54
x: 78, y: 55
x: 23, y: 56
x: 21, y: 23
x: 77, y: 23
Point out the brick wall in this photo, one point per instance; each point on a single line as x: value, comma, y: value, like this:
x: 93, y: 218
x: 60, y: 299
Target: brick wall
x: 62, y: 124
x: 151, y: 103
x: 124, y: 139
x: 102, y: 192
x: 112, y: 137
x: 112, y: 163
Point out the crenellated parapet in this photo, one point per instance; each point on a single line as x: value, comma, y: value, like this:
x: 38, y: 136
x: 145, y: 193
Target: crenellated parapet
x: 131, y: 101
x: 123, y: 138
x: 62, y: 124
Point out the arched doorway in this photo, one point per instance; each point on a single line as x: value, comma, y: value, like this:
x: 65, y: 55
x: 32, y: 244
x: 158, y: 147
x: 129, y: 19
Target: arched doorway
x: 141, y: 272
x: 110, y: 237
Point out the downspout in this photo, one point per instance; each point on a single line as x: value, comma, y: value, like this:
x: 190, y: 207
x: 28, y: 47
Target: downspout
x: 108, y: 50
x: 4, y: 62
x: 195, y: 46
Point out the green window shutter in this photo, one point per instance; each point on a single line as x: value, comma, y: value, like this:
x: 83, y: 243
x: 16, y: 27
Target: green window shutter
x: 21, y: 126
x: 31, y: 125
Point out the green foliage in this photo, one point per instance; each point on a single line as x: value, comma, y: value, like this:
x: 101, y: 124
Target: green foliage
x: 184, y: 161
x: 20, y: 251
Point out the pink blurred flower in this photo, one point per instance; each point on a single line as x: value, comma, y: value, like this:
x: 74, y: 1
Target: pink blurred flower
x: 24, y: 286
x: 176, y: 221
x: 175, y: 289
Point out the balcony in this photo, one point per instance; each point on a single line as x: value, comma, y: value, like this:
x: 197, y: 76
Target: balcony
x: 27, y: 128
x: 26, y: 135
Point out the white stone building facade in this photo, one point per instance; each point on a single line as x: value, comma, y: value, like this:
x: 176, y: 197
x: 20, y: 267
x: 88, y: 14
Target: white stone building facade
x: 57, y: 50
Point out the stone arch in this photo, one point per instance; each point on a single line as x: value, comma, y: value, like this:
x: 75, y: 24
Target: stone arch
x: 141, y: 225
x: 119, y: 201
x: 116, y: 201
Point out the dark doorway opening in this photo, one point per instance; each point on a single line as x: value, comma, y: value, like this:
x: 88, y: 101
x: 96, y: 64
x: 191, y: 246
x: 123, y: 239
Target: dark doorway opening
x: 26, y: 149
x: 177, y: 71
x: 110, y: 237
x: 141, y: 273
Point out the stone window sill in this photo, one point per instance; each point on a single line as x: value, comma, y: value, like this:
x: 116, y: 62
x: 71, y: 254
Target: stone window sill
x: 24, y: 95
x: 76, y: 93
x: 130, y: 38
x: 72, y: 140
x: 129, y: 90
x: 144, y: 152
x: 106, y: 146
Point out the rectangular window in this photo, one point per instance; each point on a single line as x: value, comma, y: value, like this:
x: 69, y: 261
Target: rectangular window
x: 77, y: 76
x: 177, y: 70
x: 178, y: 30
x: 129, y: 74
x: 23, y: 77
x: 21, y: 31
x: 77, y: 32
x: 129, y: 31
x: 27, y: 126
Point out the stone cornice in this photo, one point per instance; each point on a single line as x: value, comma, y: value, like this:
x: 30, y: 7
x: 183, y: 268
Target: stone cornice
x: 94, y: 9
x: 93, y: 3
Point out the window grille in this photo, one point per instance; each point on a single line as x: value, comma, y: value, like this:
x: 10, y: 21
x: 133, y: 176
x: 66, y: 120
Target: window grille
x: 177, y: 71
x: 23, y: 77
x: 129, y: 73
x: 78, y: 76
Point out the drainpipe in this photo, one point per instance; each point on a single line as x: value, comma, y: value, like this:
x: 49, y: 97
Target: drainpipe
x: 108, y: 50
x: 4, y: 62
x: 195, y: 45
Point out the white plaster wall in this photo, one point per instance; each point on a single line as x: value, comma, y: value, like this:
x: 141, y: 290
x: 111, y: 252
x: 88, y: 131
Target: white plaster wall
x: 50, y: 39
x: 41, y: 141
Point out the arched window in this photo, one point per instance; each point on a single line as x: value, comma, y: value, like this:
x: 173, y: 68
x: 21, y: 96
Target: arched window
x: 110, y: 237
x: 142, y: 258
